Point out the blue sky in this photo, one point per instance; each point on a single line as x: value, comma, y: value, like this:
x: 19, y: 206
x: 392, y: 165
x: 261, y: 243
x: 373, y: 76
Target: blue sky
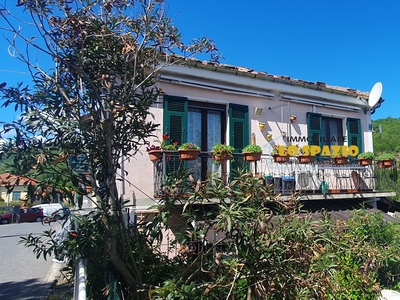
x: 347, y: 43
x: 343, y: 43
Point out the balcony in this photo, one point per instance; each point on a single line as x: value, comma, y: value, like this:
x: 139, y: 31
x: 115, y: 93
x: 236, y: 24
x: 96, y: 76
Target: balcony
x: 317, y: 180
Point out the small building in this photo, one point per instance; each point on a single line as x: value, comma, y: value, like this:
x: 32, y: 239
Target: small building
x: 206, y: 104
x: 15, y: 188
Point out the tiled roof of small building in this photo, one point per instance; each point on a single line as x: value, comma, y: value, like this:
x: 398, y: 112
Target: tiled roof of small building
x: 242, y: 71
x: 7, y: 179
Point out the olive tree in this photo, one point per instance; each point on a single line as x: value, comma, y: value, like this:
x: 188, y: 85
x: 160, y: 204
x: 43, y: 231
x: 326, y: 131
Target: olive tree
x: 93, y: 101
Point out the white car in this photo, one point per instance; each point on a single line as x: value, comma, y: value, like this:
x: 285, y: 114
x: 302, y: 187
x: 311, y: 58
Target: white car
x: 52, y: 210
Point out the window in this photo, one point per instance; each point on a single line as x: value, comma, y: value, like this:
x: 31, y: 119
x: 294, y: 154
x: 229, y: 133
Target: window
x: 204, y: 124
x: 329, y: 131
x: 16, y: 196
x: 354, y: 136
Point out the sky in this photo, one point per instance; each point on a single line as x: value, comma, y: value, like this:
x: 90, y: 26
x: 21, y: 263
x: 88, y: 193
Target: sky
x: 347, y: 43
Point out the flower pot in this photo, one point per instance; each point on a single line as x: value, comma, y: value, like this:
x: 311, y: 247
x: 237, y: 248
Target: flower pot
x: 252, y: 156
x: 340, y: 160
x: 155, y: 155
x: 305, y: 159
x: 281, y: 159
x: 189, y: 154
x: 222, y: 157
x: 385, y: 163
x: 365, y: 161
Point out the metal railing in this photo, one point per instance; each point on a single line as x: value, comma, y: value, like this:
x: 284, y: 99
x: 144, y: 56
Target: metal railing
x: 80, y: 279
x: 321, y: 176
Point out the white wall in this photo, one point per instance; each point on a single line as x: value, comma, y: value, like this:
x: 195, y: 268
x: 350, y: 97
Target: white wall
x: 140, y: 168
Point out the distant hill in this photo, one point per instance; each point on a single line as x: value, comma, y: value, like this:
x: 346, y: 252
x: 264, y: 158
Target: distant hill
x: 388, y: 140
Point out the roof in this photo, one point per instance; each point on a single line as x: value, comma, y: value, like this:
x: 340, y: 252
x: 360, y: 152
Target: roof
x: 8, y: 179
x: 343, y: 209
x: 243, y: 71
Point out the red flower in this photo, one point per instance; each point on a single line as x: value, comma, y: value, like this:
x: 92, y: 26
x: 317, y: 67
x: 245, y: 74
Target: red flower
x: 176, y: 143
x: 165, y: 136
x: 73, y: 234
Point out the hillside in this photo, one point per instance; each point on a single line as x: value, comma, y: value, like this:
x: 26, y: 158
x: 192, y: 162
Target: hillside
x: 388, y: 140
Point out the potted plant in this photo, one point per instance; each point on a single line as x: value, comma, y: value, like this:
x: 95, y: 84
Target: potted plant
x: 222, y: 152
x: 304, y: 158
x: 365, y: 158
x: 340, y: 158
x: 155, y: 152
x: 252, y: 152
x: 278, y: 158
x: 385, y: 160
x: 189, y: 151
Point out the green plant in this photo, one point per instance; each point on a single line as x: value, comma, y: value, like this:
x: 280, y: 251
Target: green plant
x: 252, y: 149
x: 366, y: 155
x: 165, y: 144
x: 222, y: 150
x: 386, y: 156
x: 111, y: 61
x: 339, y: 153
x: 189, y: 146
x: 275, y: 150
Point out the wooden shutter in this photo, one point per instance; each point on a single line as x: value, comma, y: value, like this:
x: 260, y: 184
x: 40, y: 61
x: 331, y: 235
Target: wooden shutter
x: 354, y: 136
x: 238, y: 126
x: 175, y: 118
x: 314, y: 129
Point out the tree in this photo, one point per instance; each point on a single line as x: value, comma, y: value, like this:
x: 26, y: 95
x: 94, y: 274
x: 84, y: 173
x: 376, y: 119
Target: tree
x: 94, y: 102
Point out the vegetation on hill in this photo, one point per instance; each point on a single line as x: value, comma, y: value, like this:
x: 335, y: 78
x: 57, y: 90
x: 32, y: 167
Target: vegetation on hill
x: 388, y: 138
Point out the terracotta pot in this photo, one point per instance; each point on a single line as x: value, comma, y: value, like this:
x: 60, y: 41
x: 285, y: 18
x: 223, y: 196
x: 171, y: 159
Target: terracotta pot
x: 365, y: 161
x: 252, y: 156
x: 155, y: 155
x: 223, y: 157
x: 189, y: 154
x: 305, y: 159
x: 385, y: 163
x: 281, y: 159
x: 340, y: 160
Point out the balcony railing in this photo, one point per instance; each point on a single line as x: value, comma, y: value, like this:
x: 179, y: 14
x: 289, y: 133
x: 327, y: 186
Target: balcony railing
x: 316, y: 179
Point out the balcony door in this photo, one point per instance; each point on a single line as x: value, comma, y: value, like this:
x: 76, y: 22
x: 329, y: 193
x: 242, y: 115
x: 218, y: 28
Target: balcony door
x: 203, y: 124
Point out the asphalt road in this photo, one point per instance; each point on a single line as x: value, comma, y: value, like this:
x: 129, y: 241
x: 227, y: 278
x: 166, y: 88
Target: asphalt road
x: 22, y: 276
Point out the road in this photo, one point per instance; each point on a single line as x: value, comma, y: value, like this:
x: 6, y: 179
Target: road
x: 22, y: 276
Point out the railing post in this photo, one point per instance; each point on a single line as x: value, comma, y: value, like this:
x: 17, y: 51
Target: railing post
x: 80, y: 279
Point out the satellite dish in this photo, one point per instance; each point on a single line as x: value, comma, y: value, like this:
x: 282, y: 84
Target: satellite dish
x: 375, y: 94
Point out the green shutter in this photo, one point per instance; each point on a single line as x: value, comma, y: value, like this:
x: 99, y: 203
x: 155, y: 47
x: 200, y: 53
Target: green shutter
x: 354, y: 136
x: 314, y: 129
x: 175, y: 118
x: 238, y: 126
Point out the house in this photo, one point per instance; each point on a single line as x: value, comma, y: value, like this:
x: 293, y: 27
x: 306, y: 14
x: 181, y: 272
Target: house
x: 15, y: 188
x: 19, y: 188
x: 206, y: 104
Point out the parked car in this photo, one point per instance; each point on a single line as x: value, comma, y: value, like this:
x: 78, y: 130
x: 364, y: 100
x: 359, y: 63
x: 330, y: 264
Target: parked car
x: 52, y: 210
x: 23, y: 215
